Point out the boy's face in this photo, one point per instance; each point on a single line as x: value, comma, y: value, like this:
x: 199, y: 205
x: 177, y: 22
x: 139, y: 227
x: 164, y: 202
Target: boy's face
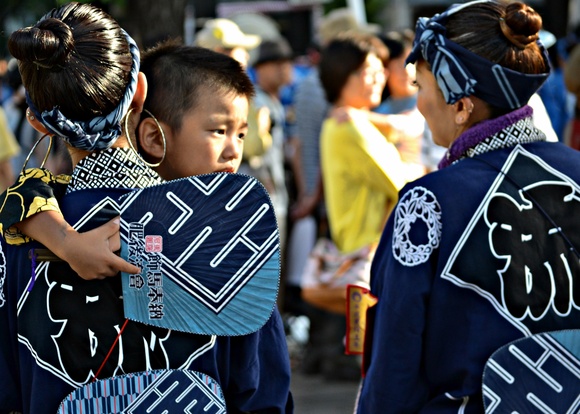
x: 211, y: 138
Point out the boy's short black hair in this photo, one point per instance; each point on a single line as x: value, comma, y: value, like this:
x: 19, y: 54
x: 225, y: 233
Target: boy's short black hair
x: 176, y: 74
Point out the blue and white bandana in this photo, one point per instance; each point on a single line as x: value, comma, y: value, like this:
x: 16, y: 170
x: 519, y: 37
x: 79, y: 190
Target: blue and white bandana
x: 100, y: 132
x: 460, y: 73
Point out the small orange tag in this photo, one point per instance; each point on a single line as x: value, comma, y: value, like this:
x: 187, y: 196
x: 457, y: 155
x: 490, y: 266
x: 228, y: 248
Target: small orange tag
x: 358, y: 300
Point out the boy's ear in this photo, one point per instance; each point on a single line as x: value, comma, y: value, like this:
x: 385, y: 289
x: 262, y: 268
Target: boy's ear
x: 140, y: 93
x: 151, y: 142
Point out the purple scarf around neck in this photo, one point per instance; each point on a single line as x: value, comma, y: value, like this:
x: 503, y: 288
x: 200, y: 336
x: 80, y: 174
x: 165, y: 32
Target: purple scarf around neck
x: 479, y: 132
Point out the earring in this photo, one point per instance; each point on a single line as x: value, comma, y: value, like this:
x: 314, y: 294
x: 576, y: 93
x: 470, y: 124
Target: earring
x: 460, y: 119
x: 471, y: 106
x: 151, y: 165
x: 34, y: 147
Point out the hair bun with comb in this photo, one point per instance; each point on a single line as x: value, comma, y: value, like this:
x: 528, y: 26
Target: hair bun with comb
x: 47, y: 45
x: 521, y: 25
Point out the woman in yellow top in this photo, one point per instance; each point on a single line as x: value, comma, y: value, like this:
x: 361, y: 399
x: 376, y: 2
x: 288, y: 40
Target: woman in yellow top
x: 362, y: 171
x: 8, y: 149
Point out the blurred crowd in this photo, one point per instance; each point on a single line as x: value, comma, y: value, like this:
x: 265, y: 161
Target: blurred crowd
x: 283, y: 149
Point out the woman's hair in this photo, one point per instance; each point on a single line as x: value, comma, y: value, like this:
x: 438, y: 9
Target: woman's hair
x: 398, y: 42
x: 176, y: 75
x: 77, y: 58
x: 343, y: 56
x: 504, y: 33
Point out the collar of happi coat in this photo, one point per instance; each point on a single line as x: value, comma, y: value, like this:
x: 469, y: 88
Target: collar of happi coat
x: 112, y: 168
x: 509, y: 130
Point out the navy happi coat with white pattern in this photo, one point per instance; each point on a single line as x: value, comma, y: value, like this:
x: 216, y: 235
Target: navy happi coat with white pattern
x: 475, y: 255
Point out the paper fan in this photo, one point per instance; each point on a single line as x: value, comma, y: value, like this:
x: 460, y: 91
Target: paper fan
x: 540, y: 373
x: 209, y: 251
x: 153, y: 392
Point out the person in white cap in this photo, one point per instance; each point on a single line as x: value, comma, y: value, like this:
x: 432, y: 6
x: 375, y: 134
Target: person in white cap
x: 225, y: 36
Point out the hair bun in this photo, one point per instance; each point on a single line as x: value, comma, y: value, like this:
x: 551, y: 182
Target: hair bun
x: 521, y: 25
x: 48, y: 44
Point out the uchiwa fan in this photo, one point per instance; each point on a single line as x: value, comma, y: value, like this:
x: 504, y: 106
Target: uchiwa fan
x: 209, y: 251
x: 159, y: 391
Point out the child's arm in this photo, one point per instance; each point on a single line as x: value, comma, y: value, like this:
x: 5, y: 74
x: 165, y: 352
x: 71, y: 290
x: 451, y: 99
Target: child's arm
x: 30, y: 209
x: 381, y: 121
x: 90, y: 254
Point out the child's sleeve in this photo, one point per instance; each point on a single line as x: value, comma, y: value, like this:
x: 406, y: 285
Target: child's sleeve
x: 259, y: 371
x: 36, y: 190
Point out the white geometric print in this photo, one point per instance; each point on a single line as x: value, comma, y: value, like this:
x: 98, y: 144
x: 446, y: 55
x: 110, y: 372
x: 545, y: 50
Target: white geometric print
x: 417, y: 204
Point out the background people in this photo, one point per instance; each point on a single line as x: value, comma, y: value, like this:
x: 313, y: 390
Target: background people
x: 572, y: 80
x: 410, y: 132
x: 9, y: 149
x: 273, y: 69
x: 224, y: 36
x: 361, y: 171
x: 308, y: 213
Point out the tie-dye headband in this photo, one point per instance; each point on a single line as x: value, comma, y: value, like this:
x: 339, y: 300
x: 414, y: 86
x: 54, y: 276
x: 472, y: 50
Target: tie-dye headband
x: 454, y: 67
x: 100, y: 132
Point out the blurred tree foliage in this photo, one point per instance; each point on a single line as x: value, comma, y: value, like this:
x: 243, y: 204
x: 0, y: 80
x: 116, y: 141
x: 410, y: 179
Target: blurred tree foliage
x: 373, y: 8
x: 22, y: 11
x: 27, y: 12
x: 146, y: 20
x: 149, y: 21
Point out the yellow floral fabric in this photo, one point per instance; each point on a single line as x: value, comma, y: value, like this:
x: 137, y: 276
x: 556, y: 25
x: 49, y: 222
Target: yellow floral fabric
x: 35, y: 191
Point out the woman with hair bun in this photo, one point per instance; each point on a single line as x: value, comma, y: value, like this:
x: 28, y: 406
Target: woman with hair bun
x: 483, y: 251
x: 60, y: 332
x: 79, y: 87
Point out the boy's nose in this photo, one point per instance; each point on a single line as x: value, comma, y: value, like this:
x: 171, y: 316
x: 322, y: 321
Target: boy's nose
x: 233, y: 149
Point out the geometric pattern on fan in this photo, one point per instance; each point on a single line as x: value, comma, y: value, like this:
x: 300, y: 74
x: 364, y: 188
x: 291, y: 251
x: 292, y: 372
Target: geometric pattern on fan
x: 153, y: 392
x: 209, y: 250
x: 535, y: 374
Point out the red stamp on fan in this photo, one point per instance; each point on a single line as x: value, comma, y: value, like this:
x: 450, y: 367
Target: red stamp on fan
x: 153, y: 244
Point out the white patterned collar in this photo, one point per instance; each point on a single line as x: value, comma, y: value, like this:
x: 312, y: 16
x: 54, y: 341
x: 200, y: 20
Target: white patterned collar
x: 508, y: 130
x: 112, y: 168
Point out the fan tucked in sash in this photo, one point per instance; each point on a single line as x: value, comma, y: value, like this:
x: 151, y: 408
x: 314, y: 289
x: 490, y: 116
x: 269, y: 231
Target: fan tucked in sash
x: 209, y: 251
x: 154, y: 392
x: 540, y: 373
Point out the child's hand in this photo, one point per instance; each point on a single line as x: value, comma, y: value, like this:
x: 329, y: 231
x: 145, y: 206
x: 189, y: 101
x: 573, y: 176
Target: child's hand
x: 343, y: 113
x: 91, y: 254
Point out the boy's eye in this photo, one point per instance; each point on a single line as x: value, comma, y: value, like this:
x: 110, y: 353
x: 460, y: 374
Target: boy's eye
x: 242, y: 135
x: 219, y: 131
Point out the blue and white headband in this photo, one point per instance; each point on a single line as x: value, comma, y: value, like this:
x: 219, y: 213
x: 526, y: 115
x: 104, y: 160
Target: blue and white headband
x: 454, y: 66
x: 100, y: 132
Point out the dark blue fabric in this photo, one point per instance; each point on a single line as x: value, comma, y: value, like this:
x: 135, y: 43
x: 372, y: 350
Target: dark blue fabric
x: 66, y: 327
x: 438, y: 321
